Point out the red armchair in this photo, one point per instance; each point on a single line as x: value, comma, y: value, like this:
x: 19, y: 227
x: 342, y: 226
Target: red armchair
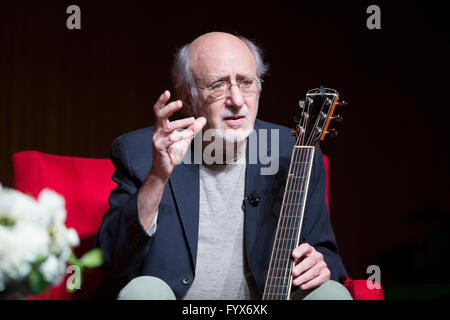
x: 85, y: 183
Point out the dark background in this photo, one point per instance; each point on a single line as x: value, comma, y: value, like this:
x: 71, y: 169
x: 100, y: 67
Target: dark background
x: 72, y: 92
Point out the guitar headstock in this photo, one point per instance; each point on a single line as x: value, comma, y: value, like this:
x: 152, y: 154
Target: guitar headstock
x: 317, y: 112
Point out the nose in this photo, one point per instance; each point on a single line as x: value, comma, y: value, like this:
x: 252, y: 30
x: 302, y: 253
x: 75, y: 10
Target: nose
x: 235, y: 98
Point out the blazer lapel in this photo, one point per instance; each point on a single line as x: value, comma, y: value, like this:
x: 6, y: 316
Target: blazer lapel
x: 253, y: 182
x: 185, y: 185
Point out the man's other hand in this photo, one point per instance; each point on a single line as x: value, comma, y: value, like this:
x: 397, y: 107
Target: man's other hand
x: 310, y: 269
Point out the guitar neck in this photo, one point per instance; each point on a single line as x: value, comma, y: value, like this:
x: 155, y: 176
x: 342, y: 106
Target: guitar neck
x: 287, y: 237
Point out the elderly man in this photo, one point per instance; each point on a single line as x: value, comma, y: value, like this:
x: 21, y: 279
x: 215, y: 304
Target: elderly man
x: 179, y: 230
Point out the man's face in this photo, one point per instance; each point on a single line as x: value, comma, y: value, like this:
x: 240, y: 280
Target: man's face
x: 224, y: 57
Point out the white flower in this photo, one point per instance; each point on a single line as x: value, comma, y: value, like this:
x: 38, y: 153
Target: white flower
x: 65, y: 255
x: 33, y: 231
x: 53, y: 204
x: 72, y: 238
x: 62, y: 238
x: 20, y: 247
x: 23, y: 207
x: 50, y: 269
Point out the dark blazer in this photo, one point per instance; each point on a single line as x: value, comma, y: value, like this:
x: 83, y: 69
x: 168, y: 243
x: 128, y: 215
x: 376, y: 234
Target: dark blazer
x: 171, y: 252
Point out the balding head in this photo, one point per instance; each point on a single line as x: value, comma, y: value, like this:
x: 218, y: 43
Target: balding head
x: 217, y: 55
x: 182, y: 72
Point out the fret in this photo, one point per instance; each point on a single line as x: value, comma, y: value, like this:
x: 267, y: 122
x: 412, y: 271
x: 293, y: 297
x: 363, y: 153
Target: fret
x: 289, y: 256
x: 294, y: 196
x: 288, y: 228
x: 293, y: 239
x: 281, y: 262
x: 283, y: 249
x: 293, y: 203
x: 292, y: 176
x: 279, y: 268
x: 302, y: 162
x: 282, y: 259
x: 280, y: 285
x: 271, y: 283
x: 292, y: 211
x: 289, y: 216
x: 279, y: 273
x: 276, y: 262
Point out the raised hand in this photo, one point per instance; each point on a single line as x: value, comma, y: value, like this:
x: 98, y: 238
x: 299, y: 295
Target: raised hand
x: 171, y: 139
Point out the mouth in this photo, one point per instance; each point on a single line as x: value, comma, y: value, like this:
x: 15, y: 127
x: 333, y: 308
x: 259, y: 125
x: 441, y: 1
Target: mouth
x: 234, y: 121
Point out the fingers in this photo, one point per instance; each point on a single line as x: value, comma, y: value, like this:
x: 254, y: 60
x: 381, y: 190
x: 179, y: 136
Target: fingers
x: 180, y: 124
x: 195, y: 126
x: 162, y: 110
x: 309, y: 277
x: 316, y: 281
x: 166, y: 111
x: 180, y: 135
x: 310, y: 269
x: 304, y: 265
x: 162, y: 100
x: 302, y: 250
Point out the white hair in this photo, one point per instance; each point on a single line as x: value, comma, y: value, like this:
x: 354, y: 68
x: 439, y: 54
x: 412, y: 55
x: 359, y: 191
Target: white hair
x: 182, y: 73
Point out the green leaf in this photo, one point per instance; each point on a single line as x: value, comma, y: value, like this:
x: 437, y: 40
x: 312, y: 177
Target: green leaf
x: 36, y: 282
x: 74, y: 260
x: 7, y: 222
x: 40, y: 259
x: 92, y: 259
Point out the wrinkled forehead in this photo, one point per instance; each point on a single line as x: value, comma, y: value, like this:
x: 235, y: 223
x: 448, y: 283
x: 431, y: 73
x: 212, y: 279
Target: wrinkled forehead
x: 217, y: 58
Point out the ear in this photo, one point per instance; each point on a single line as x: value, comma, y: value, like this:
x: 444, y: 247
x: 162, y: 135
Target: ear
x: 184, y: 94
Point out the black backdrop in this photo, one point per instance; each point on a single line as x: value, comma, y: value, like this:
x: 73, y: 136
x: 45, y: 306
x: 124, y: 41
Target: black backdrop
x: 71, y: 92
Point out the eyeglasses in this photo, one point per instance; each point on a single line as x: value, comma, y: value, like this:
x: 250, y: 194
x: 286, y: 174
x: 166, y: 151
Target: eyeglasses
x: 221, y: 89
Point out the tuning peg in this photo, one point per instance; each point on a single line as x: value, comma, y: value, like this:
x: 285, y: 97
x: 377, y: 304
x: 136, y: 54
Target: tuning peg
x: 297, y: 118
x: 301, y: 104
x: 337, y: 118
x: 341, y: 103
x: 332, y: 133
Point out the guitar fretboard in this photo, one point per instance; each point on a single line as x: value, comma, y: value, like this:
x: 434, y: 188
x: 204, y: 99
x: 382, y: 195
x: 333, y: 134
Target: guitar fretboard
x: 279, y: 277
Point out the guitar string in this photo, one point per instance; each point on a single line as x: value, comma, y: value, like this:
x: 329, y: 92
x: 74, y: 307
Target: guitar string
x: 279, y: 287
x: 282, y: 242
x: 294, y: 207
x: 295, y: 210
x: 284, y: 273
x: 271, y: 285
x: 281, y: 273
x: 268, y: 288
x: 300, y: 214
x: 311, y: 136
